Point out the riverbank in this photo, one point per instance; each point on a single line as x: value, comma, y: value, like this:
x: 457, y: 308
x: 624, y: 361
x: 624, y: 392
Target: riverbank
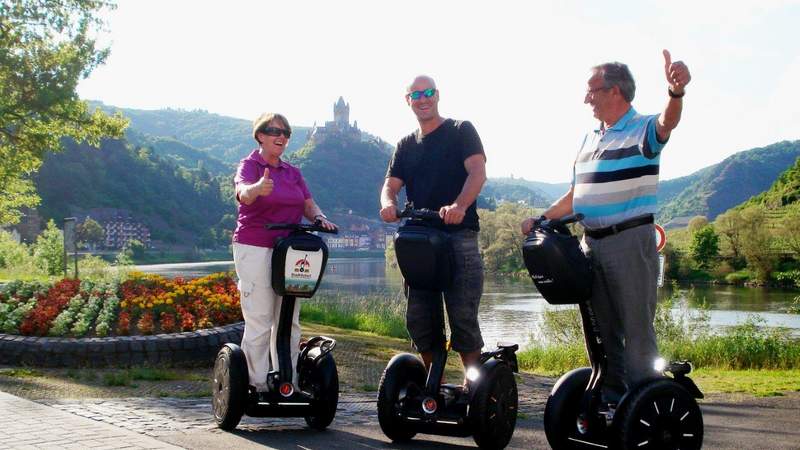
x: 360, y: 357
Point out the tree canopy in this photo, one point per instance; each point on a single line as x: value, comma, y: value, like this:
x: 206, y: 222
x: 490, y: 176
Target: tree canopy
x: 46, y: 48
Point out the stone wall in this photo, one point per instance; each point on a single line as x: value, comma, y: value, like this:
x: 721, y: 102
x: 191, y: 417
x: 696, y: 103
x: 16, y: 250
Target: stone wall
x: 194, y: 348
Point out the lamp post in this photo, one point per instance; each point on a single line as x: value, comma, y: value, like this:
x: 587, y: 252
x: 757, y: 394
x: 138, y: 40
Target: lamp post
x: 70, y: 241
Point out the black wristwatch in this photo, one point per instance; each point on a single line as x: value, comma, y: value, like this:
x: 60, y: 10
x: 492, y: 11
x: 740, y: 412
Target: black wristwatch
x: 674, y: 95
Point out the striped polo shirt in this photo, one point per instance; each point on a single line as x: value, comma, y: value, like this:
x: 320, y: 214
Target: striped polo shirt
x: 615, y: 177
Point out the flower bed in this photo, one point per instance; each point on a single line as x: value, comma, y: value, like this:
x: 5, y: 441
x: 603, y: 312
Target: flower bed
x: 143, y: 304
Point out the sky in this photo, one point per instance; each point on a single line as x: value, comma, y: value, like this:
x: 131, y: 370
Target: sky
x: 516, y: 69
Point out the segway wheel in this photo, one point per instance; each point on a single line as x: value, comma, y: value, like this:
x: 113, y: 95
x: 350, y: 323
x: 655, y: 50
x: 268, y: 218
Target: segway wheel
x: 561, y: 410
x: 229, y: 389
x: 661, y: 415
x: 493, y: 410
x: 325, y: 381
x: 404, y: 371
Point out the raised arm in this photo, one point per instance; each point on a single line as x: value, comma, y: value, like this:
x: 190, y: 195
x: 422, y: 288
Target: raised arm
x: 678, y: 77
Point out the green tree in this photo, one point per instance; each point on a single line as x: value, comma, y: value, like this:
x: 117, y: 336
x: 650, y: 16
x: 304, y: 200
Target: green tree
x: 89, y: 232
x: 696, y: 223
x: 135, y: 247
x: 48, y: 250
x: 757, y: 244
x: 500, y: 237
x: 789, y: 229
x: 46, y: 47
x: 704, y: 247
x: 730, y: 225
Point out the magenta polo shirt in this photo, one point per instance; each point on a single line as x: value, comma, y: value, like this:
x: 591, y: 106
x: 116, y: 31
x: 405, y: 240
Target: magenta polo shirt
x: 285, y: 204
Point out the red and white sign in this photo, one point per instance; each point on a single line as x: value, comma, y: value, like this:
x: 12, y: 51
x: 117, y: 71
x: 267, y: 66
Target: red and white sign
x: 661, y: 238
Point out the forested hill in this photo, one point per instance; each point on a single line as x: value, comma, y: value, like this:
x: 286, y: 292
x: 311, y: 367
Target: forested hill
x: 344, y: 174
x: 785, y: 191
x: 225, y: 138
x: 180, y: 153
x: 715, y: 189
x: 178, y: 205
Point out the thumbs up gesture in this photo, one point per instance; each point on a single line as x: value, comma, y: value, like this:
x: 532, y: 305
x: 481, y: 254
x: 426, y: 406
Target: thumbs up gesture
x: 265, y: 184
x: 677, y: 73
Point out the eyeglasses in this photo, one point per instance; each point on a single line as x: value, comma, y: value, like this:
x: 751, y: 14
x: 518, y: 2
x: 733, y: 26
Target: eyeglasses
x: 273, y: 131
x: 416, y: 95
x: 590, y: 92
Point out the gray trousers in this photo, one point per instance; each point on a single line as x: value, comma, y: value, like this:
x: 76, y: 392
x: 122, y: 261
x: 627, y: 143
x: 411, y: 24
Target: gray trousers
x: 624, y: 301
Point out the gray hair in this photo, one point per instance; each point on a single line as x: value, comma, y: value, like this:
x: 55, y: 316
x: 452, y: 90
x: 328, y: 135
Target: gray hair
x: 617, y: 74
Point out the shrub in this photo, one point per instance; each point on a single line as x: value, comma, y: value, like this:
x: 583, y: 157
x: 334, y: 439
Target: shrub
x: 48, y: 251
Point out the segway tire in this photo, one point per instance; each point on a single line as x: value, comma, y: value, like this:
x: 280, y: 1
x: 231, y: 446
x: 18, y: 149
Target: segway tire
x: 660, y: 415
x: 325, y: 379
x: 561, y: 410
x: 229, y: 388
x: 493, y: 410
x: 402, y: 371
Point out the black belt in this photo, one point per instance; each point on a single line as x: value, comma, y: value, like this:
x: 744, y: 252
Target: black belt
x: 600, y: 233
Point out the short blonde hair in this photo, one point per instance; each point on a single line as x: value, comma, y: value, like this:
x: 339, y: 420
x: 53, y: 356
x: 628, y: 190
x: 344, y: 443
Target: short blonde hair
x: 265, y: 119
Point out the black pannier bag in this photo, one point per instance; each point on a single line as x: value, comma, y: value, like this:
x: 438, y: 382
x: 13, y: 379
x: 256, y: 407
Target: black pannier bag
x: 425, y: 257
x: 298, y: 262
x: 558, y: 267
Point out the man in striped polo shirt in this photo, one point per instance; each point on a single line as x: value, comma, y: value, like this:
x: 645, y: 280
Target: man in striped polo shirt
x: 614, y: 187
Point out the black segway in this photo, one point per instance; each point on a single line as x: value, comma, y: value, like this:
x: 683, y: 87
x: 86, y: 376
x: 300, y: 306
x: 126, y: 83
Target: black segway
x: 298, y: 262
x: 412, y: 400
x: 660, y: 413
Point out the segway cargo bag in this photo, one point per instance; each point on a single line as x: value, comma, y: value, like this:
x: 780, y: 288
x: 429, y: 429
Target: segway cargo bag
x: 558, y: 267
x: 425, y: 257
x: 298, y: 262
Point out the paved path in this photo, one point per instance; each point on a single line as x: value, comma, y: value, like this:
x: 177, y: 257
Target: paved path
x: 731, y: 423
x: 28, y: 425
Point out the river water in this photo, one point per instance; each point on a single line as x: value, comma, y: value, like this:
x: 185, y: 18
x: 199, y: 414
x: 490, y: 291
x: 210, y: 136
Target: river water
x: 511, y: 310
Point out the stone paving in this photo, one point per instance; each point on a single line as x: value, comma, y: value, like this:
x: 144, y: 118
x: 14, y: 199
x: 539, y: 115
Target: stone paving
x: 28, y: 425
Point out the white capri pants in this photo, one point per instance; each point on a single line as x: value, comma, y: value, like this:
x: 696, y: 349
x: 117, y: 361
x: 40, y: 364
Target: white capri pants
x: 261, y: 308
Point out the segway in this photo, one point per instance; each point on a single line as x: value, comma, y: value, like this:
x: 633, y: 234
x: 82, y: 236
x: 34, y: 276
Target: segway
x: 298, y: 262
x: 412, y: 400
x: 660, y: 413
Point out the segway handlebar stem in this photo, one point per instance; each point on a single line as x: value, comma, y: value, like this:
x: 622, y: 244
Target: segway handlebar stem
x: 310, y: 227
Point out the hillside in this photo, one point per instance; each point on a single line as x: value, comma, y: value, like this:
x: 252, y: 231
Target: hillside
x: 715, y: 189
x: 180, y: 153
x: 178, y: 206
x: 785, y: 191
x: 494, y: 192
x: 344, y: 174
x: 549, y: 192
x: 225, y: 138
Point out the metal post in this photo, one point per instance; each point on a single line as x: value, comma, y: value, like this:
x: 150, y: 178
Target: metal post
x: 70, y: 241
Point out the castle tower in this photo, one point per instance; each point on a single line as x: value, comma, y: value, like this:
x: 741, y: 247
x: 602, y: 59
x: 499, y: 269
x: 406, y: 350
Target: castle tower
x: 341, y: 114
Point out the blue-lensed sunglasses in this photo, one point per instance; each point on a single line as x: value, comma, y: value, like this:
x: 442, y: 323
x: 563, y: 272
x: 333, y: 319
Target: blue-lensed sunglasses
x: 416, y: 95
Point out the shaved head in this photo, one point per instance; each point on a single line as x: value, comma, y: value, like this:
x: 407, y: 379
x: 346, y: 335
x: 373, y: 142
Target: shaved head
x: 421, y: 78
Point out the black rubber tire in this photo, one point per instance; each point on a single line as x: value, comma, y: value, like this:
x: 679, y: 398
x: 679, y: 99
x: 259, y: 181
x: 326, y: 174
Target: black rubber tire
x: 403, y: 370
x: 229, y: 387
x: 493, y: 409
x: 664, y: 414
x: 561, y: 410
x: 325, y: 379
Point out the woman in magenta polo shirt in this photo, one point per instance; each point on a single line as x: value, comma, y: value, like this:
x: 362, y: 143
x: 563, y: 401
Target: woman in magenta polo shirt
x: 268, y: 191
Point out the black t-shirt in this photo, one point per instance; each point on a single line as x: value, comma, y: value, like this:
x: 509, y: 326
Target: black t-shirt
x: 432, y: 167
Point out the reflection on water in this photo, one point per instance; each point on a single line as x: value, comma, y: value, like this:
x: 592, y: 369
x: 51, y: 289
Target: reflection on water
x: 511, y: 309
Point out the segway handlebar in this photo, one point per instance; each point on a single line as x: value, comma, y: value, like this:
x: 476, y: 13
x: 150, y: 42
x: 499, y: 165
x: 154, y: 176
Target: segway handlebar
x: 310, y: 227
x: 424, y: 214
x: 566, y: 220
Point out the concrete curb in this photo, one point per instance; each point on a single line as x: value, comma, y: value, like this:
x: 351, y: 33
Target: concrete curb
x: 177, y: 349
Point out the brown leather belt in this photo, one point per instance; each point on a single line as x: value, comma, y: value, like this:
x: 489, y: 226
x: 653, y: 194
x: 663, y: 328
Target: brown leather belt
x: 600, y: 233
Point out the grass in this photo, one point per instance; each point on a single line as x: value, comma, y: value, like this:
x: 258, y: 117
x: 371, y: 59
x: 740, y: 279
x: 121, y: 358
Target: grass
x: 20, y: 373
x: 761, y: 383
x: 377, y: 314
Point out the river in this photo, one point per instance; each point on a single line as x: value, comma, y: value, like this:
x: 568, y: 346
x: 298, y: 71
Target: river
x: 511, y: 309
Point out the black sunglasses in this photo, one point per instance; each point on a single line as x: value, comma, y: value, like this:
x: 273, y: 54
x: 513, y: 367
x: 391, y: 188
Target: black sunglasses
x: 273, y: 131
x: 416, y: 95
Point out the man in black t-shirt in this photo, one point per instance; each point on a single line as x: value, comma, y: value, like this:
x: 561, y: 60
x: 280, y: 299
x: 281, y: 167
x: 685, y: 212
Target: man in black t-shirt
x: 443, y: 167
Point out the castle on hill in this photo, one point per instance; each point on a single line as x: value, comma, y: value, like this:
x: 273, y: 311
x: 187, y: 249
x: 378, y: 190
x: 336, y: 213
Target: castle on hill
x: 340, y: 126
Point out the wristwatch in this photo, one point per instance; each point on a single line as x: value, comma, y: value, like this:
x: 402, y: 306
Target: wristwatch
x: 674, y: 95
